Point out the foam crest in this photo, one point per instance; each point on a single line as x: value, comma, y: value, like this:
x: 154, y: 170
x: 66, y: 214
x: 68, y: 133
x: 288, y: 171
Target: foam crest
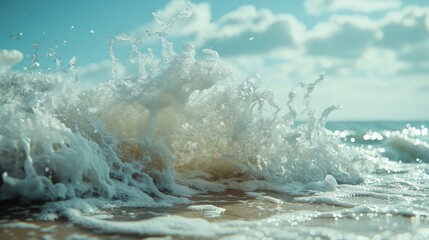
x: 180, y: 126
x: 8, y: 58
x: 409, y: 144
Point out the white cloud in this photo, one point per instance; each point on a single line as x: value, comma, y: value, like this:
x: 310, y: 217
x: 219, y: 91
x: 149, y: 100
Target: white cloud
x: 404, y: 28
x: 317, y: 7
x: 345, y: 37
x: 248, y: 30
x: 365, y: 59
x: 379, y: 63
x: 401, y: 38
x: 196, y: 25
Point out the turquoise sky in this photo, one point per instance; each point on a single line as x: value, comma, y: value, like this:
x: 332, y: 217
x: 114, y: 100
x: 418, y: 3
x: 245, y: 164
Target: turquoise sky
x: 375, y: 52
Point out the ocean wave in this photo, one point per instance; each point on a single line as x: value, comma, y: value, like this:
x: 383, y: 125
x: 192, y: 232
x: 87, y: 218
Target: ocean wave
x: 398, y: 141
x: 179, y: 129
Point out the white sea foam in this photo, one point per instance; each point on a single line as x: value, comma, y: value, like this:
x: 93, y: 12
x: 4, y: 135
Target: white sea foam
x: 20, y: 225
x: 208, y: 210
x: 129, y: 139
x: 171, y: 225
x: 180, y: 127
x: 8, y: 58
x: 292, y: 225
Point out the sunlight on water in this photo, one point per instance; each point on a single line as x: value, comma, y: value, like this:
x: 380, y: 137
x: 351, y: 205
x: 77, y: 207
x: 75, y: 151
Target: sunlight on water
x: 180, y: 128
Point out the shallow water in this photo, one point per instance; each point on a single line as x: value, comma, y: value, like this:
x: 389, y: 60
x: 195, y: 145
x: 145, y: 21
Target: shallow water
x: 249, y: 215
x: 181, y: 150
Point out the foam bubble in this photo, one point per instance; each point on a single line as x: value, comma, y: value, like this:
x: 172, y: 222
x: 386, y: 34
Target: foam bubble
x: 8, y: 58
x: 208, y: 210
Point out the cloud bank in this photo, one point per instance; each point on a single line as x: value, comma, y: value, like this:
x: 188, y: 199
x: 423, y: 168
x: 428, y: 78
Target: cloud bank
x: 372, y: 63
x: 317, y: 7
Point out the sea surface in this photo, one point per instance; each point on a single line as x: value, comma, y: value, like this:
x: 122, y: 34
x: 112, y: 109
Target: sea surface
x: 181, y: 151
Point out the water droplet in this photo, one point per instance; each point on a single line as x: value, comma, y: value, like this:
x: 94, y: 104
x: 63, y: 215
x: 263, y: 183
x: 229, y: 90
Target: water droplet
x: 36, y: 45
x: 71, y: 27
x: 16, y: 37
x: 91, y: 31
x: 73, y: 61
x: 251, y: 39
x: 51, y: 52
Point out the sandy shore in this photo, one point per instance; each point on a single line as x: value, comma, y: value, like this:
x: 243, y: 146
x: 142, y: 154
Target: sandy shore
x: 17, y: 222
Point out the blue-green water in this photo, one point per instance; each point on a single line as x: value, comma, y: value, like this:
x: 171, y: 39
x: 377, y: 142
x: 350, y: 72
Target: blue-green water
x: 403, y: 141
x: 182, y: 151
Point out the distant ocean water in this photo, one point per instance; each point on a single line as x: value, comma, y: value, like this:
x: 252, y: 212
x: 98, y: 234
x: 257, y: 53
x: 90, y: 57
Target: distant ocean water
x: 180, y: 150
x: 403, y: 141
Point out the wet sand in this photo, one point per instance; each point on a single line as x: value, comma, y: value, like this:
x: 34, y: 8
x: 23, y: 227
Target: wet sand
x: 17, y: 222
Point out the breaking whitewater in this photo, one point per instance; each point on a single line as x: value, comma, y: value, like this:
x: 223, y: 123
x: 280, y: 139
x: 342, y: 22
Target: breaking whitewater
x: 182, y: 151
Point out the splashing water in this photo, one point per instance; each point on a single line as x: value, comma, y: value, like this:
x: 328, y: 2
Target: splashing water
x: 177, y: 118
x: 182, y: 127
